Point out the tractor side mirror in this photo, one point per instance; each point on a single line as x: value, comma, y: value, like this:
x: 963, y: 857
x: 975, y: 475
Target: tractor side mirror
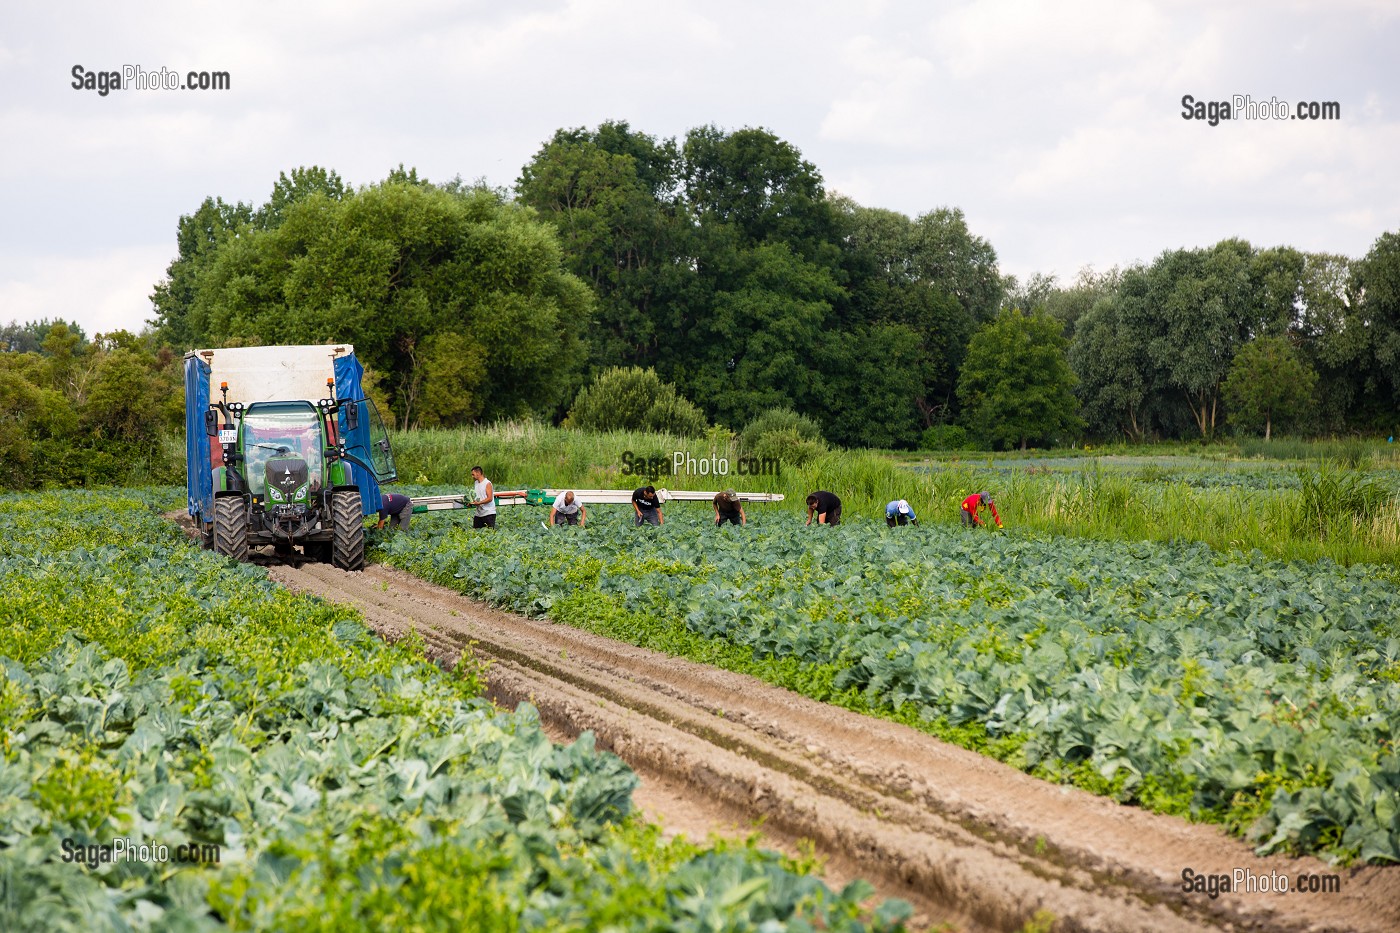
x: 211, y: 422
x: 352, y: 416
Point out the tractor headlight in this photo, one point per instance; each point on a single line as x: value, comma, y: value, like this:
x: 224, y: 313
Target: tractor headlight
x: 301, y: 490
x: 273, y: 493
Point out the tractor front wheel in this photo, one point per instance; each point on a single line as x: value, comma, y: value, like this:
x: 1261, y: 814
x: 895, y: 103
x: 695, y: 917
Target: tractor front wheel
x: 231, y: 527
x: 348, y: 521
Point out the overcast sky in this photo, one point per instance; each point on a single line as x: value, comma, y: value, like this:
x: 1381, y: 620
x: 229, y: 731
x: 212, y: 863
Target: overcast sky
x: 1057, y: 128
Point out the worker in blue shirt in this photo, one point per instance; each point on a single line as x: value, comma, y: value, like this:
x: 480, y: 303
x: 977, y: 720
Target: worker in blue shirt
x: 396, y: 507
x: 900, y: 512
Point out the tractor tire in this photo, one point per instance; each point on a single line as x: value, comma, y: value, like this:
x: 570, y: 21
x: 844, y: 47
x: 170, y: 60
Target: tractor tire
x: 348, y: 525
x: 231, y: 527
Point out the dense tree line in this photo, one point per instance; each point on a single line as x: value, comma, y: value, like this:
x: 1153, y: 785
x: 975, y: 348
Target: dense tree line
x: 721, y: 261
x: 75, y: 411
x: 718, y: 270
x: 1255, y: 337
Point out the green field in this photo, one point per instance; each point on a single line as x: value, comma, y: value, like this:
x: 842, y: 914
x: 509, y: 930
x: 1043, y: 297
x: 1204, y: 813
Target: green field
x: 160, y: 695
x: 1290, y: 509
x: 1194, y: 632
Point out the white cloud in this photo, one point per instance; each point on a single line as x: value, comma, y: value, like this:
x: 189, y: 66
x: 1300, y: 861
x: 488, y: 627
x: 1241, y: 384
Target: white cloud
x: 987, y: 35
x: 105, y: 291
x: 1056, y: 127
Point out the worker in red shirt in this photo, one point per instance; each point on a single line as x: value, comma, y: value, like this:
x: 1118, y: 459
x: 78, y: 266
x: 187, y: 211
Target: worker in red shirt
x: 973, y: 503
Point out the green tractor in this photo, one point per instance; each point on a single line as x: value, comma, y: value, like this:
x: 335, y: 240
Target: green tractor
x: 285, y: 477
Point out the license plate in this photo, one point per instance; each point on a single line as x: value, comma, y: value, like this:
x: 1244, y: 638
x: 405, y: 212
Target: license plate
x: 228, y: 436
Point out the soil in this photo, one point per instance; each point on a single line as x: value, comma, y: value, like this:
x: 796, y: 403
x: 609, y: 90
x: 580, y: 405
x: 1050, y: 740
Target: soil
x: 970, y: 842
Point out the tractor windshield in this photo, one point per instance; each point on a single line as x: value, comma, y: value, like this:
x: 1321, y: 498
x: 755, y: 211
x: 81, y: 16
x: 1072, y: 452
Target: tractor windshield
x: 280, y: 429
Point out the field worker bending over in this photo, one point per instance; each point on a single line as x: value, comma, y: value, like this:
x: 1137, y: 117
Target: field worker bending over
x: 567, y: 510
x: 484, y: 498
x: 973, y: 503
x: 397, y: 507
x: 647, y: 505
x: 728, y: 508
x: 826, y: 506
x: 899, y: 512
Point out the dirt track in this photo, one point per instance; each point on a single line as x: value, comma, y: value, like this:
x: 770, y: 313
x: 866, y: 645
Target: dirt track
x: 967, y: 840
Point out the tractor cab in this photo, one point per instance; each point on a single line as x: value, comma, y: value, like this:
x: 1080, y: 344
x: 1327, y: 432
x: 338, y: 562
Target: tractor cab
x: 284, y: 447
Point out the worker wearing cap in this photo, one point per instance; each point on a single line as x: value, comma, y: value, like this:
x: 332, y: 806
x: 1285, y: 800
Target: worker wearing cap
x: 728, y: 508
x: 397, y: 507
x: 567, y: 510
x: 973, y: 503
x: 899, y: 512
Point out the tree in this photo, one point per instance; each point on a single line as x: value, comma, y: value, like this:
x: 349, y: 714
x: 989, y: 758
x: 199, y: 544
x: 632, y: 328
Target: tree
x: 1033, y: 294
x: 1376, y: 287
x: 761, y: 186
x: 943, y: 250
x: 1267, y: 382
x: 394, y: 266
x: 198, y: 237
x: 1199, y: 308
x: 1016, y: 385
x: 887, y: 290
x: 29, y: 337
x: 757, y: 347
x: 299, y: 185
x: 612, y: 195
x: 1123, y: 390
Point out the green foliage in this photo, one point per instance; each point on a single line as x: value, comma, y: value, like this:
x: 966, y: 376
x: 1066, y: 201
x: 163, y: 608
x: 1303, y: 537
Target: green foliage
x: 156, y: 692
x: 1016, y: 384
x: 454, y: 373
x: 1333, y: 501
x: 634, y: 399
x: 944, y: 437
x: 1268, y: 382
x: 87, y: 412
x: 1232, y: 689
x: 720, y: 261
x: 409, y: 273
x: 783, y: 435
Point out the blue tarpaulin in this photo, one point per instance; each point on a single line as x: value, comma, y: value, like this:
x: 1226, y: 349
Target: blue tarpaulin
x: 199, y: 472
x: 348, y: 376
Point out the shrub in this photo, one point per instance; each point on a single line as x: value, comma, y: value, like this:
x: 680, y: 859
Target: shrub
x: 944, y: 437
x: 635, y: 399
x: 784, y: 435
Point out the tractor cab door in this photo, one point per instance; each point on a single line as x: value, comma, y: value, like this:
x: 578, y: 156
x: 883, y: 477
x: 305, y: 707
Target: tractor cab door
x: 367, y: 439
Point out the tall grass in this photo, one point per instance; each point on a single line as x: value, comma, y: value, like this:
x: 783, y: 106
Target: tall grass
x: 1336, y: 512
x: 1350, y: 452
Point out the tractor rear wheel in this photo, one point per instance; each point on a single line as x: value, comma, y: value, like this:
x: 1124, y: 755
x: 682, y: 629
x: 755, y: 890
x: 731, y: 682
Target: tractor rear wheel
x: 348, y: 520
x: 231, y: 527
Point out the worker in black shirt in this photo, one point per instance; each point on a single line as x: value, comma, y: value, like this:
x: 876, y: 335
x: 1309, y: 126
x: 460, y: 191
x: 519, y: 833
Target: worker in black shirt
x: 647, y: 505
x: 826, y: 506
